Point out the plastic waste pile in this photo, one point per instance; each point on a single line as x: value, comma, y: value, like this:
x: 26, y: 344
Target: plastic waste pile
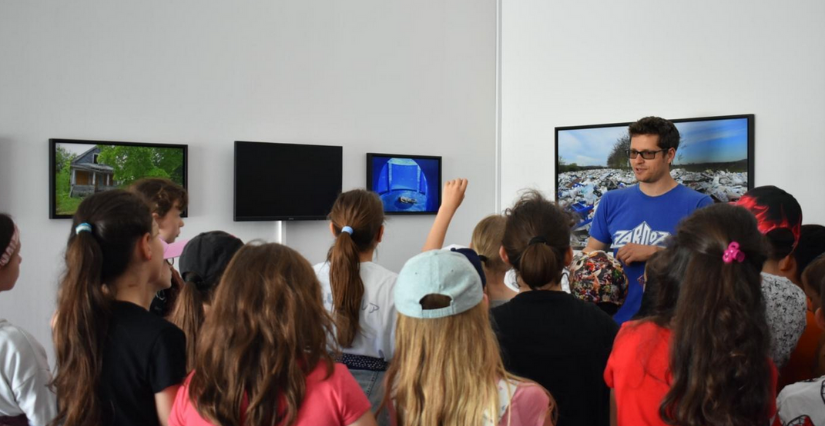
x: 580, y: 191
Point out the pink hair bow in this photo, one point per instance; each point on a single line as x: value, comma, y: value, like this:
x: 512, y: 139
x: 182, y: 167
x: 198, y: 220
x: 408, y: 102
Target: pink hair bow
x: 733, y: 253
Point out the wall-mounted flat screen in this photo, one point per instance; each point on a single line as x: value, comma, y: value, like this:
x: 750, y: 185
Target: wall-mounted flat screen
x: 715, y: 157
x: 280, y: 181
x: 79, y: 168
x: 407, y: 184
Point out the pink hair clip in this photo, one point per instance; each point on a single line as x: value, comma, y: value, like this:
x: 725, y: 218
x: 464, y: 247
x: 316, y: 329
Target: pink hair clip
x: 733, y: 253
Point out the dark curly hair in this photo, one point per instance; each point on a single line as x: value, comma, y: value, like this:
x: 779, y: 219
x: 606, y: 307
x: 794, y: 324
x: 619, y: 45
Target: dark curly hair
x: 667, y: 132
x: 6, y: 231
x: 162, y: 194
x: 720, y: 340
x: 811, y: 245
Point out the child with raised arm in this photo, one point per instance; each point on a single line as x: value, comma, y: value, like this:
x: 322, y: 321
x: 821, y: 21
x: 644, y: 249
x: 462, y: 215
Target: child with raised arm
x: 486, y: 241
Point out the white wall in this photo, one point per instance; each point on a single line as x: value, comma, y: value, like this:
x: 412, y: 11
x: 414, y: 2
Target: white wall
x: 578, y: 62
x: 374, y: 76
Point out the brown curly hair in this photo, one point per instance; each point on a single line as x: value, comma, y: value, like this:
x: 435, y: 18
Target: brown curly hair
x: 162, y: 194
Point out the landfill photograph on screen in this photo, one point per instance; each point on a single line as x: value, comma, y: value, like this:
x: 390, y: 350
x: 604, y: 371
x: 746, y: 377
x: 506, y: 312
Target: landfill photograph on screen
x: 82, y: 169
x: 406, y: 184
x: 712, y: 158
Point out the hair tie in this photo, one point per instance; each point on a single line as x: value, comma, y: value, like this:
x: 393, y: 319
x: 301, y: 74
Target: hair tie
x: 14, y: 243
x: 83, y: 227
x: 733, y: 253
x: 347, y: 229
x: 537, y: 240
x: 482, y: 258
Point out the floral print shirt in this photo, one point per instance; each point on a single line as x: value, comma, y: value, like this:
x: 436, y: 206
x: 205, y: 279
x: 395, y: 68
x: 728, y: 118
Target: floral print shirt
x: 785, y: 312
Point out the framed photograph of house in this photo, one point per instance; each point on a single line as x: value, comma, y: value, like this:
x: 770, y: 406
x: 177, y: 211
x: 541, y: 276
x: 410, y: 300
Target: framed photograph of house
x: 79, y: 168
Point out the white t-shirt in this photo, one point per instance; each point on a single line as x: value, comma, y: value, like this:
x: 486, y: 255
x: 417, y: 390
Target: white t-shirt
x: 376, y: 337
x: 802, y: 403
x: 25, y: 377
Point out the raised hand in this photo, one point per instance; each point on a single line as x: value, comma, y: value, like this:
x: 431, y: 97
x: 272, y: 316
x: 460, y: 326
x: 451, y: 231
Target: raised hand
x: 453, y: 194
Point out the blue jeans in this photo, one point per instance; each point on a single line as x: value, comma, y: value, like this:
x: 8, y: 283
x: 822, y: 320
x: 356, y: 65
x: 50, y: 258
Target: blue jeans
x: 372, y: 383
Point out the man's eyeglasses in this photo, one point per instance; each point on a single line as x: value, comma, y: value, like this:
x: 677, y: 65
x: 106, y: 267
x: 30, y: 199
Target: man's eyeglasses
x: 647, y: 155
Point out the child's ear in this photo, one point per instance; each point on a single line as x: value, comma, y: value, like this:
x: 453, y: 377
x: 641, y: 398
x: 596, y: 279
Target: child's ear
x: 144, y: 247
x: 332, y: 229
x: 568, y: 256
x: 820, y: 318
x: 503, y: 254
x: 380, y: 234
x: 787, y: 263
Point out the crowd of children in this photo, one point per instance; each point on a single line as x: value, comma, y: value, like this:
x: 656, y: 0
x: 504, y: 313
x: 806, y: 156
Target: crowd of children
x: 253, y: 334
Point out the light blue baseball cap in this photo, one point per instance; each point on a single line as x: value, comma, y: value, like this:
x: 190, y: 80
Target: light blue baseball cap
x: 442, y: 272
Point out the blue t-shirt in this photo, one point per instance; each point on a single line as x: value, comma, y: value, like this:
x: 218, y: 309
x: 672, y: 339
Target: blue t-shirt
x: 629, y: 216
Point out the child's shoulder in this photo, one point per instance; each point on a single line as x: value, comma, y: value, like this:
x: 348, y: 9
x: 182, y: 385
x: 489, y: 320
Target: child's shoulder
x: 16, y: 339
x: 377, y: 273
x: 641, y: 329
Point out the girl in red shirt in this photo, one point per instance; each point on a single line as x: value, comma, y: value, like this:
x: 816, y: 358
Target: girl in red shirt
x: 701, y: 357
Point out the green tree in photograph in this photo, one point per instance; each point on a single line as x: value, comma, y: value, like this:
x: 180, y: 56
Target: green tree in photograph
x: 131, y: 163
x: 62, y: 181
x: 618, y: 157
x: 62, y: 158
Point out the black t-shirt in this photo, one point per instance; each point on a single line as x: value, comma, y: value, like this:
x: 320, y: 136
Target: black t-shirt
x: 563, y: 344
x: 143, y: 355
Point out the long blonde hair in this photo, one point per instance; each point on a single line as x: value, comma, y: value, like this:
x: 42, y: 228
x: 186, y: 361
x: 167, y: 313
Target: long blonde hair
x: 446, y: 370
x: 486, y: 241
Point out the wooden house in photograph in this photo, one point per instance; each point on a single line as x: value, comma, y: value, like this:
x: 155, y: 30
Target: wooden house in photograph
x: 89, y: 176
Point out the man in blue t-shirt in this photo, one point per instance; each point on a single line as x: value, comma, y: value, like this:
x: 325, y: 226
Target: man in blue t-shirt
x: 634, y: 222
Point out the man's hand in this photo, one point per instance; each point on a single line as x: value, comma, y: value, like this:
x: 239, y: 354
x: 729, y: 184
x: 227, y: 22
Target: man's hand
x: 635, y: 253
x: 453, y: 194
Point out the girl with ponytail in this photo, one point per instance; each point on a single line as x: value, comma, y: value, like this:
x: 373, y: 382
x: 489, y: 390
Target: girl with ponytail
x: 547, y: 335
x: 25, y: 394
x: 201, y: 264
x: 358, y: 292
x: 703, y: 355
x: 117, y: 364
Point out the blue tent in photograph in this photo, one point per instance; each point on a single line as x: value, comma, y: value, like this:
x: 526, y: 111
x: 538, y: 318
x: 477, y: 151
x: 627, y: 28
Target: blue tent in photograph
x: 402, y: 185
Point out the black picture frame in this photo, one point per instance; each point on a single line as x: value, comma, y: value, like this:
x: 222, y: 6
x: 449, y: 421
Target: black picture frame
x: 370, y: 175
x: 751, y: 138
x: 53, y: 176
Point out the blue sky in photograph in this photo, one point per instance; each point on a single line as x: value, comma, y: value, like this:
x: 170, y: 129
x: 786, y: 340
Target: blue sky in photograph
x: 709, y: 141
x: 589, y: 147
x: 717, y: 141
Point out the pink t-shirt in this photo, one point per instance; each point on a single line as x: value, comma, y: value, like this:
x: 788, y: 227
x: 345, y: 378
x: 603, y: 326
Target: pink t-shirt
x: 338, y: 400
x: 527, y: 407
